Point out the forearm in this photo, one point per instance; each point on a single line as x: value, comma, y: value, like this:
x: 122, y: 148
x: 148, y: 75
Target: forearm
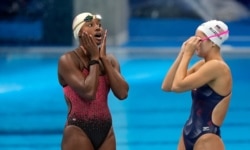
x: 181, y: 72
x: 169, y: 78
x: 91, y: 82
x: 117, y: 83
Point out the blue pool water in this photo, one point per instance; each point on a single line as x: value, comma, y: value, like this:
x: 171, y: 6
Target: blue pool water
x: 33, y: 110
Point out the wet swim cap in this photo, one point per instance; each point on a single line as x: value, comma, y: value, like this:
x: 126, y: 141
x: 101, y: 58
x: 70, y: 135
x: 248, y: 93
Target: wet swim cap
x: 78, y: 22
x: 80, y: 19
x: 215, y: 27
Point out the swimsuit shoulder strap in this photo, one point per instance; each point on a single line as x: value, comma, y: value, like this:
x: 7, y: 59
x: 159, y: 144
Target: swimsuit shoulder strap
x: 80, y: 60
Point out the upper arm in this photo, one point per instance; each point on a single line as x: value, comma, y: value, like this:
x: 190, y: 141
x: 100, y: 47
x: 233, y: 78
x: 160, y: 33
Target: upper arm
x: 117, y: 83
x: 69, y: 72
x: 203, y: 75
x: 114, y: 62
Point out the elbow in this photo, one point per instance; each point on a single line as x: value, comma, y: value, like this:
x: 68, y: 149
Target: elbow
x: 166, y: 88
x: 123, y: 95
x: 176, y: 88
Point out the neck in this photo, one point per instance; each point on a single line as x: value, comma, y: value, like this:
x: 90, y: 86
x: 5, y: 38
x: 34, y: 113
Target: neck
x: 214, y: 54
x: 81, y: 51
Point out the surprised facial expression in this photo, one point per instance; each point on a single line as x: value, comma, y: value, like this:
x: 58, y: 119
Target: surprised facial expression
x: 93, y: 26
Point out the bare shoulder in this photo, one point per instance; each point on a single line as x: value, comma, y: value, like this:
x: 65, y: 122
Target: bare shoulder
x: 216, y: 62
x: 112, y: 59
x: 67, y: 60
x: 218, y: 65
x: 66, y: 56
x: 223, y: 82
x: 64, y: 64
x: 67, y: 63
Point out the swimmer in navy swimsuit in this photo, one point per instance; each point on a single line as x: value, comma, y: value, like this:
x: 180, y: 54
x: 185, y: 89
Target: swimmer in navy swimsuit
x: 87, y: 75
x: 210, y: 83
x: 200, y: 121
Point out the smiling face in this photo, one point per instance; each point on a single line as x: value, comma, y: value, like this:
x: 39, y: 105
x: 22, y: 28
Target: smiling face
x: 93, y: 27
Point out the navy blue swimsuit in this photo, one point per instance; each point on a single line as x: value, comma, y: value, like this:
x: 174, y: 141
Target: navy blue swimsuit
x: 200, y: 120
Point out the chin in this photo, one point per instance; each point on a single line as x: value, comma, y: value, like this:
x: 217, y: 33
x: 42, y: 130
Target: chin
x: 98, y: 42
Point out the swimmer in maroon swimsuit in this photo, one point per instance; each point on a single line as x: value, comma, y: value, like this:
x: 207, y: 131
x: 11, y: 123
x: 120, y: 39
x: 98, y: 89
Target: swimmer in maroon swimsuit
x: 87, y: 75
x: 210, y: 83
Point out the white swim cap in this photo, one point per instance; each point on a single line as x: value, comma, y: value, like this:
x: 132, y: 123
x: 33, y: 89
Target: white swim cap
x: 80, y: 19
x: 215, y: 27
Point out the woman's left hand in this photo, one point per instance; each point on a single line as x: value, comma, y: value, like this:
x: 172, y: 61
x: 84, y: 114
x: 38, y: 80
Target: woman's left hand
x: 191, y: 45
x: 103, y: 45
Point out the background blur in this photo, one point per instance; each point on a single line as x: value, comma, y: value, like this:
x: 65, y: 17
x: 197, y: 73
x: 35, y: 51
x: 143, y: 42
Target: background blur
x: 145, y: 35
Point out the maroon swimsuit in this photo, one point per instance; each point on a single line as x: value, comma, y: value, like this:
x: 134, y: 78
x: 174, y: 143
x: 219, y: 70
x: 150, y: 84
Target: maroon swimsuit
x: 93, y: 117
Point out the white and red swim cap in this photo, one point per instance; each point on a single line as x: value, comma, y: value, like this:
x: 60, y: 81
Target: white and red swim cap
x: 215, y: 27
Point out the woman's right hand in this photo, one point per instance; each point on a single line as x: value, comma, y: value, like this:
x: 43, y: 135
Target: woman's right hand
x: 191, y: 45
x: 88, y: 43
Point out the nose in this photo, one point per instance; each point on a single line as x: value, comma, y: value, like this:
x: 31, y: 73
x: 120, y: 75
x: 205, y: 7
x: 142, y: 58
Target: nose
x: 97, y: 27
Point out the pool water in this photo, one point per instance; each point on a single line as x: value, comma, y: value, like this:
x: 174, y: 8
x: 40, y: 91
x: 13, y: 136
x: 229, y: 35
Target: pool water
x: 33, y: 110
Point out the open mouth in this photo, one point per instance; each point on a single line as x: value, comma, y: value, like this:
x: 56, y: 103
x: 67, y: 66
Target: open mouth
x: 98, y: 36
